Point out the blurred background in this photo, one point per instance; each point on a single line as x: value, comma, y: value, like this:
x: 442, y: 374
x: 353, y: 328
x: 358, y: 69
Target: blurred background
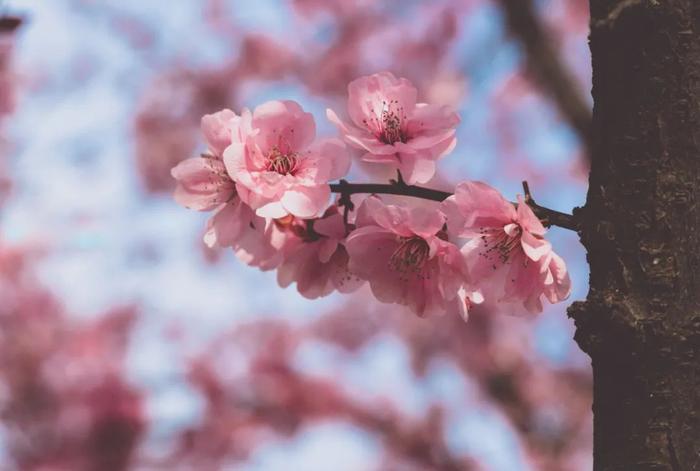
x: 125, y: 344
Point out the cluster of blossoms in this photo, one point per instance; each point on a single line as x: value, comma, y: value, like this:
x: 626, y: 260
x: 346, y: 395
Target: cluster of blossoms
x: 267, y: 180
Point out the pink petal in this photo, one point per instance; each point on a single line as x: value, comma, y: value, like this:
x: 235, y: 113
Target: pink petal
x: 326, y: 249
x: 390, y: 217
x: 392, y: 159
x: 242, y: 127
x: 533, y: 304
x: 527, y: 218
x: 331, y: 226
x: 363, y: 213
x: 283, y: 124
x: 258, y: 244
x: 453, y: 269
x: 416, y: 169
x: 369, y: 143
x: 562, y: 283
x: 535, y: 248
x: 475, y: 205
x: 480, y: 266
x: 217, y: 130
x: 339, y: 123
x: 273, y: 210
x: 524, y: 283
x: 360, y: 138
x: 236, y: 165
x: 429, y: 141
x: 369, y: 249
x: 202, y: 183
x: 343, y: 279
x: 429, y: 118
x: 334, y: 152
x: 425, y: 222
x: 466, y: 300
x: 226, y: 224
x: 306, y: 201
x: 368, y: 96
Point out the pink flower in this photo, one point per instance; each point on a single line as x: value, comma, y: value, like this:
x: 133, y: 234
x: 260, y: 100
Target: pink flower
x: 277, y: 170
x: 265, y: 242
x: 204, y: 185
x: 218, y: 128
x: 202, y: 182
x: 319, y: 263
x: 390, y: 127
x: 507, y: 252
x: 405, y: 256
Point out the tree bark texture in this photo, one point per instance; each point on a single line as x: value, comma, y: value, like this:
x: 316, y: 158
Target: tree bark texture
x: 640, y: 225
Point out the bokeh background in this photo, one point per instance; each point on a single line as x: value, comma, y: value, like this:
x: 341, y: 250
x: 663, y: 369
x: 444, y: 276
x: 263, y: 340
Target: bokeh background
x: 126, y: 344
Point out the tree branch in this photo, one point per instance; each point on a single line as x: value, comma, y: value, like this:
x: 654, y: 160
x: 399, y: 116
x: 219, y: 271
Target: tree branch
x: 549, y: 217
x: 8, y: 24
x: 547, y: 69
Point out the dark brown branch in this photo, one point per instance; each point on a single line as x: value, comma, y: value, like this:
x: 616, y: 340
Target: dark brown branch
x: 9, y: 24
x: 345, y: 188
x: 549, y: 217
x: 546, y: 68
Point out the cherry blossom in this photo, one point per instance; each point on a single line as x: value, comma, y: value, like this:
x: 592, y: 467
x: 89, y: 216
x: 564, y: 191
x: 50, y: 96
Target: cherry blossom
x: 277, y: 169
x: 204, y: 185
x: 507, y: 252
x: 202, y: 182
x: 404, y: 255
x: 268, y: 184
x: 391, y: 127
x: 319, y: 264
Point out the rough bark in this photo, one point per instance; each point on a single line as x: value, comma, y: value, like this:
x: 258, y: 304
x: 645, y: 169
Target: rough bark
x: 641, y: 226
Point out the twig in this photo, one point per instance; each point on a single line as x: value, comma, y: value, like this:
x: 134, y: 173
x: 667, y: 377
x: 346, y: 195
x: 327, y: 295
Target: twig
x: 550, y: 217
x: 8, y: 24
x: 345, y: 201
x: 609, y: 21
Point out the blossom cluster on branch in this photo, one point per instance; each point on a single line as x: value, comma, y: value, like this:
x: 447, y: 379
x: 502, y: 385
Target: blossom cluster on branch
x: 268, y: 182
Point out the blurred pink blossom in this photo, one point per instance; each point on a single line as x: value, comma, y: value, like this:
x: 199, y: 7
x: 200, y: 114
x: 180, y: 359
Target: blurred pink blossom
x: 65, y: 402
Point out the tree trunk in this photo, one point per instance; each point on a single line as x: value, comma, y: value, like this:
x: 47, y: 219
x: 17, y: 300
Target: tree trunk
x: 641, y: 226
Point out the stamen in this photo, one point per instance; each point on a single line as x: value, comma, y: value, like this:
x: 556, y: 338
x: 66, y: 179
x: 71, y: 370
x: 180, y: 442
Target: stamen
x: 282, y: 163
x: 410, y: 256
x: 388, y: 125
x: 498, y: 245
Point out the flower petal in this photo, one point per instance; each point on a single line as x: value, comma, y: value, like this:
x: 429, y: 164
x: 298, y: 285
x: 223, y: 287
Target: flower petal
x: 528, y: 220
x: 216, y: 128
x: 535, y: 248
x: 285, y: 125
x: 369, y: 96
x: 306, y: 201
